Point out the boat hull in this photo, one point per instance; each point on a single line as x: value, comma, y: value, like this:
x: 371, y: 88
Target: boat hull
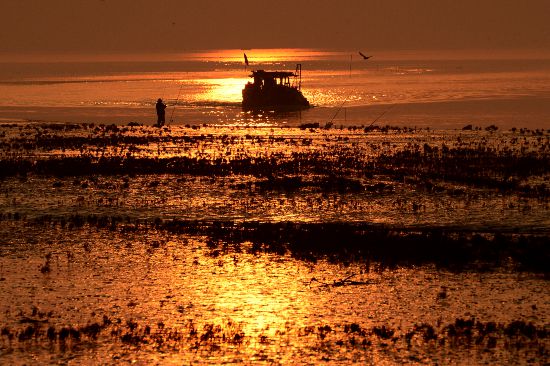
x: 275, y: 98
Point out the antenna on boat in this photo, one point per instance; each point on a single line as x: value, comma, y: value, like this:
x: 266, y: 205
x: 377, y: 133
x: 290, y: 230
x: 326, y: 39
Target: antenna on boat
x: 298, y: 74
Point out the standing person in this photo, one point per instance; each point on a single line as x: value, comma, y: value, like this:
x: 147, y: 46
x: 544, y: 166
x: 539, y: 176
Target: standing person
x: 160, y: 112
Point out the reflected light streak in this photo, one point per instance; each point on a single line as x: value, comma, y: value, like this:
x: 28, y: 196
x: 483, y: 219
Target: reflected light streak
x: 224, y: 90
x: 262, y: 293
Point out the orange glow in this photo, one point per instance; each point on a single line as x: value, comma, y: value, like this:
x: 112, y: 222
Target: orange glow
x: 266, y: 55
x: 224, y: 90
x: 262, y: 289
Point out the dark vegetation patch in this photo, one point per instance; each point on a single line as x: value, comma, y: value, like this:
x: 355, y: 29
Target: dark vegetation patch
x: 496, y: 160
x: 390, y: 246
x: 478, y: 166
x: 462, y: 334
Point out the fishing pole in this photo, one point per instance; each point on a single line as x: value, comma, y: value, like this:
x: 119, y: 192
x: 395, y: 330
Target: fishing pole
x: 338, y: 111
x: 164, y: 89
x: 380, y: 116
x: 176, y: 103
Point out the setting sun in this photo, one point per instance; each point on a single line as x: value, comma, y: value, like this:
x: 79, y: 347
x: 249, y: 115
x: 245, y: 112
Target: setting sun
x: 262, y: 56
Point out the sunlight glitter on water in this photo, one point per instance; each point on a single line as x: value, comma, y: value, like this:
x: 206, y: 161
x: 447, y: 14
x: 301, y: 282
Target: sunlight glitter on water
x: 222, y: 90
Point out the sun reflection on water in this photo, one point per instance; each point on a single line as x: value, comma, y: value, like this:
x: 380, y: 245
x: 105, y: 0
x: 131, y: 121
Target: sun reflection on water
x: 260, y: 293
x: 227, y: 90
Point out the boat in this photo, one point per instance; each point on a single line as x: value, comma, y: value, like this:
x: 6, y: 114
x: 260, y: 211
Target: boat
x: 274, y: 90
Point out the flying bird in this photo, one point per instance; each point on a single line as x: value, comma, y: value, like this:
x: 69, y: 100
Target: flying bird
x: 363, y: 55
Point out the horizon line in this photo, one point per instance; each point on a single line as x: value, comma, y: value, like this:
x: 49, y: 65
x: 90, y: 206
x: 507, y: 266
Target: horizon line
x: 266, y: 54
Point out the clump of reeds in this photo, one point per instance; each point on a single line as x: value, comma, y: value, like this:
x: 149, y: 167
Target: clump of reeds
x: 462, y: 334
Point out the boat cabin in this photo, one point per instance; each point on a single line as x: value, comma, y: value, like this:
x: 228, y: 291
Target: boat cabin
x: 266, y: 79
x: 277, y: 90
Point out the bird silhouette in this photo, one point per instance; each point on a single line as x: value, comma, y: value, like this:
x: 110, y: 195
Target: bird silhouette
x: 363, y: 55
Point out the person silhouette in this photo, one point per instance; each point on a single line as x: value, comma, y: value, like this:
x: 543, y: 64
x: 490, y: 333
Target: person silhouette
x: 160, y: 112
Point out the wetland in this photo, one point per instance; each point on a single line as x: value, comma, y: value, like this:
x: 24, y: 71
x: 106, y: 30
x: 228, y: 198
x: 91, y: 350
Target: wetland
x: 273, y: 245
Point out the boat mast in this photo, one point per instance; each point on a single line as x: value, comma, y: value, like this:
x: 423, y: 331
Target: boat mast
x: 298, y: 74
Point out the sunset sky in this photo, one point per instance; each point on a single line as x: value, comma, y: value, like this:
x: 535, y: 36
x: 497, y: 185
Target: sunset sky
x: 146, y: 26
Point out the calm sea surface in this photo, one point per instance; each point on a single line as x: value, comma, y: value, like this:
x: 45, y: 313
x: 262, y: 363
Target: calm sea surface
x: 439, y: 91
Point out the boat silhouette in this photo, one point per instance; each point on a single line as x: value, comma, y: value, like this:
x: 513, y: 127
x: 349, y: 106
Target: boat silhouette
x: 275, y: 90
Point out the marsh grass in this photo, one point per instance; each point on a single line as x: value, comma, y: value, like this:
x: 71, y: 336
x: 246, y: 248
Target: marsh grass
x: 463, y: 335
